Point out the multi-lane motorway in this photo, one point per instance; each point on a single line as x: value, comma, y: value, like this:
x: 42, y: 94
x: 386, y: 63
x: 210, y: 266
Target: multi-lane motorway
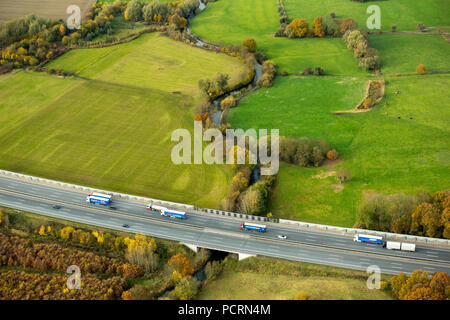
x: 221, y: 233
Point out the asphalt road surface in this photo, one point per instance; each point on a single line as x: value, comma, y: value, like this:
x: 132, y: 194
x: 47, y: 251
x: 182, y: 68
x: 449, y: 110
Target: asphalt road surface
x: 220, y: 233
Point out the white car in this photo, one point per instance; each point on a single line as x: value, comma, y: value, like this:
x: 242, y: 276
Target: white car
x: 282, y: 236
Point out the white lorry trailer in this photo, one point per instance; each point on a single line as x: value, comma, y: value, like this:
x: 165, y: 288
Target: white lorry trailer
x: 408, y: 246
x: 403, y: 246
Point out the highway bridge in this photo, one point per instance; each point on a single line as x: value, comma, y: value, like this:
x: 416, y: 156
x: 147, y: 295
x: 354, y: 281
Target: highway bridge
x: 221, y: 233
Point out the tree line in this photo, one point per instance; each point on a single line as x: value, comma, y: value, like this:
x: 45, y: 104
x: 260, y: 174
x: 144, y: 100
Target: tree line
x: 30, y: 40
x: 16, y: 251
x: 421, y: 214
x: 20, y: 285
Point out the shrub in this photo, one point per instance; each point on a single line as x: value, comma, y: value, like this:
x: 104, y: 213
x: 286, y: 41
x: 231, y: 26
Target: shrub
x: 269, y: 67
x: 301, y: 296
x: 284, y: 19
x: 394, y: 28
x: 330, y: 27
x: 281, y: 32
x: 348, y: 24
x: 250, y: 44
x: 367, y: 103
x: 139, y: 292
x: 4, y: 219
x: 307, y: 71
x: 332, y: 154
x: 370, y: 63
x: 421, y: 68
x: 318, y: 71
x: 186, y: 289
x: 213, y: 270
x: 228, y: 102
x: 304, y: 152
x: 421, y: 27
x: 269, y: 71
x: 343, y: 175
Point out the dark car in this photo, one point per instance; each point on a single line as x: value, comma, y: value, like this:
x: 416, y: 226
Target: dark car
x: 113, y: 208
x: 125, y: 225
x: 55, y: 206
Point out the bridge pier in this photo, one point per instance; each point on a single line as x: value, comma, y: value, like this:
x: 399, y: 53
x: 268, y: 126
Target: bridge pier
x: 241, y: 256
x: 191, y: 246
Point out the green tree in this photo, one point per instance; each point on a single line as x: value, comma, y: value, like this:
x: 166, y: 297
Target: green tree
x: 186, y: 289
x: 134, y: 11
x: 155, y: 11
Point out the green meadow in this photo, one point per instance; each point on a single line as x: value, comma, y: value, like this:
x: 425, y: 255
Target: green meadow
x: 401, y: 53
x: 113, y: 131
x: 150, y: 61
x: 382, y: 152
x: 230, y: 22
x: 405, y: 14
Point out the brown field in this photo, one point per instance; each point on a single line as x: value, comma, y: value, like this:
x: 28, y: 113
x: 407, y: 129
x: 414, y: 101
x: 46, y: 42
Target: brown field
x: 54, y: 9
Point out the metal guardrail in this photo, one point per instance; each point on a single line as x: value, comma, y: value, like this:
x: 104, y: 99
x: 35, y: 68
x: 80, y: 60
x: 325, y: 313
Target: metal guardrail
x: 235, y: 215
x: 387, y: 235
x: 89, y: 189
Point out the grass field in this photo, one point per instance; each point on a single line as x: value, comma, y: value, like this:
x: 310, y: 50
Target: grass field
x: 54, y: 9
x: 401, y: 53
x: 113, y: 132
x: 270, y: 279
x: 382, y: 152
x: 232, y: 21
x: 405, y: 14
x: 151, y: 61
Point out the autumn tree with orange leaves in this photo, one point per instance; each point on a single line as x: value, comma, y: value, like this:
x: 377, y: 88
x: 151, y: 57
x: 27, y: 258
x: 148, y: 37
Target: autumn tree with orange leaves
x: 419, y: 286
x: 181, y: 264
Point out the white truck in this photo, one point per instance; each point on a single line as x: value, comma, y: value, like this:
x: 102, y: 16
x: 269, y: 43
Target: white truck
x: 403, y: 246
x: 408, y: 246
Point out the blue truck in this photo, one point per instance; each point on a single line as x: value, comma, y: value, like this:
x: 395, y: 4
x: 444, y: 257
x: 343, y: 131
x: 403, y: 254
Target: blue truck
x: 173, y: 213
x: 253, y: 226
x: 368, y: 238
x: 99, y: 198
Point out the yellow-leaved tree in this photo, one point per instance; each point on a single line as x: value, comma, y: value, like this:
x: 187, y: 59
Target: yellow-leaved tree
x: 299, y: 27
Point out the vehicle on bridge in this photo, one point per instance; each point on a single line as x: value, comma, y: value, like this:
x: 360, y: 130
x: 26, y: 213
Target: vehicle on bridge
x: 253, y: 226
x: 99, y: 198
x: 156, y: 208
x: 368, y: 238
x: 173, y: 214
x: 403, y: 246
